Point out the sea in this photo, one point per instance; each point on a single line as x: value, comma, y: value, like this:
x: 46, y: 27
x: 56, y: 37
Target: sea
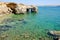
x: 32, y: 26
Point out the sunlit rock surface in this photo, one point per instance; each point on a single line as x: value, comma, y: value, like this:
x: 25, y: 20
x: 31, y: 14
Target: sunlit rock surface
x: 21, y: 8
x: 4, y: 9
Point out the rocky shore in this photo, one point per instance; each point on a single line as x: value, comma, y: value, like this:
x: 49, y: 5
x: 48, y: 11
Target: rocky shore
x: 10, y: 7
x: 54, y: 34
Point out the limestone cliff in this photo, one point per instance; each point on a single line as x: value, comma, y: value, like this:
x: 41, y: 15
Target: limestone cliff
x: 6, y: 8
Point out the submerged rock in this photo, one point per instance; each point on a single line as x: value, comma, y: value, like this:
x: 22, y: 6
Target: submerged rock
x: 2, y: 37
x: 8, y: 20
x: 23, y: 21
x: 5, y: 27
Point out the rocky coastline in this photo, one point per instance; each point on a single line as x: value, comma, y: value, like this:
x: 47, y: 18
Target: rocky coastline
x: 11, y: 7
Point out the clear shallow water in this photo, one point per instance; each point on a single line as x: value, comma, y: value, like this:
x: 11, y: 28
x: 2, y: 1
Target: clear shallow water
x: 33, y: 25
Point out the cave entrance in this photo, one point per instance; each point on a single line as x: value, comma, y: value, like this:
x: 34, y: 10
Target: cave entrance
x: 29, y: 10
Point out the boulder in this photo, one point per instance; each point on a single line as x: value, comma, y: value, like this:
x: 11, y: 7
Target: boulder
x: 56, y: 33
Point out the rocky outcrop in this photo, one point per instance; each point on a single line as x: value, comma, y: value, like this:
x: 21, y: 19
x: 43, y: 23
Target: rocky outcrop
x: 20, y: 9
x: 12, y: 6
x: 6, y: 8
x: 54, y: 34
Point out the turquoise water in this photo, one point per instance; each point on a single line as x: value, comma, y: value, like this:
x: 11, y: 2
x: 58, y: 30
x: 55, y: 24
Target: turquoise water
x: 33, y: 25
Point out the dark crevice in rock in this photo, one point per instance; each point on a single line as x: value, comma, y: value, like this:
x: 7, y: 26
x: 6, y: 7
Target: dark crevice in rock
x: 13, y: 11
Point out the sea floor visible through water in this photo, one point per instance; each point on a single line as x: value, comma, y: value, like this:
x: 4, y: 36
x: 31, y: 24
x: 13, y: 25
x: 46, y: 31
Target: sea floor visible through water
x: 30, y: 26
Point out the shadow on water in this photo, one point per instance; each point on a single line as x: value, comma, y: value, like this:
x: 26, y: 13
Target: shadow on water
x: 32, y: 13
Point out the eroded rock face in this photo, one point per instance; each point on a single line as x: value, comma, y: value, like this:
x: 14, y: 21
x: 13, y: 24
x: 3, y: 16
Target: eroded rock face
x: 12, y: 6
x: 17, y: 8
x: 20, y: 9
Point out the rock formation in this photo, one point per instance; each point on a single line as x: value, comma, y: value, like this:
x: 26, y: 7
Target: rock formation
x: 21, y: 9
x: 54, y: 34
x: 6, y: 8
